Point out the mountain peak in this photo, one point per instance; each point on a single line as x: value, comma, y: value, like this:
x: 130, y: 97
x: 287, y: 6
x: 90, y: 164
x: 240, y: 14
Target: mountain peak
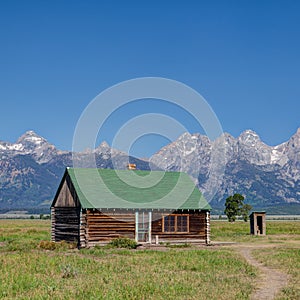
x: 31, y: 137
x: 103, y: 147
x: 35, y: 145
x: 249, y: 137
x: 104, y: 144
x: 185, y: 135
x: 249, y: 132
x: 30, y: 132
x: 196, y: 137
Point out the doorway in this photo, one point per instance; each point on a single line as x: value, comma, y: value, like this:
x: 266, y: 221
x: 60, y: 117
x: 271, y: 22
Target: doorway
x: 143, y: 221
x: 259, y: 221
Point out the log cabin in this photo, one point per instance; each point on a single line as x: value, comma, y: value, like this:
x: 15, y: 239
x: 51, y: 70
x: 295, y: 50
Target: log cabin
x: 94, y: 206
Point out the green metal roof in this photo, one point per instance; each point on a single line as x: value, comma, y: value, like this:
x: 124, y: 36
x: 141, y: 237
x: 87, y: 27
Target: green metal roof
x: 133, y: 189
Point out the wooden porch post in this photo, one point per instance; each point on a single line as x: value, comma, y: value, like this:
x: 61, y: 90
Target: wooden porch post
x: 150, y: 224
x: 136, y: 226
x: 207, y: 228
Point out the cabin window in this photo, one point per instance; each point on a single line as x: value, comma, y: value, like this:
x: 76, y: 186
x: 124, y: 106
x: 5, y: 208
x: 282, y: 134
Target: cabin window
x: 176, y: 223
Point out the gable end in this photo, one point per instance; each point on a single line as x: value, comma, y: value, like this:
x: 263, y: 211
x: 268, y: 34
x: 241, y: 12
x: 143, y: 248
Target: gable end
x: 66, y: 195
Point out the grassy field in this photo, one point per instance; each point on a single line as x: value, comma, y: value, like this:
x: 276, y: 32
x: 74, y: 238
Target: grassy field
x: 240, y: 231
x: 30, y: 272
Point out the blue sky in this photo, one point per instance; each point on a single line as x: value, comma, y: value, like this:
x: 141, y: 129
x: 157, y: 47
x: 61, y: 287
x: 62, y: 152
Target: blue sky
x: 243, y: 57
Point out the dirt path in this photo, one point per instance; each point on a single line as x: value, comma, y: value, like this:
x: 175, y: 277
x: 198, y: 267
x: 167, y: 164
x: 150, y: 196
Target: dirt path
x: 270, y: 281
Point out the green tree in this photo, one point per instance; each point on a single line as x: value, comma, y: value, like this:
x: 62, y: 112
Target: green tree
x: 245, y: 211
x: 234, y: 206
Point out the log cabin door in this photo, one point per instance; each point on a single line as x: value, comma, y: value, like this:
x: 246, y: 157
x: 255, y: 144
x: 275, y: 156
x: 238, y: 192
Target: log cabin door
x: 143, y: 221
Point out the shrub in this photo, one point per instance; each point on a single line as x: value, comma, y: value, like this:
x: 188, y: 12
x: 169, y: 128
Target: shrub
x: 123, y: 243
x: 49, y: 245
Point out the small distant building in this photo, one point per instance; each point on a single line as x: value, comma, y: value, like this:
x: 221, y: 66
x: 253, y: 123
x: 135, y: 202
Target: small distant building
x: 94, y: 206
x: 258, y: 223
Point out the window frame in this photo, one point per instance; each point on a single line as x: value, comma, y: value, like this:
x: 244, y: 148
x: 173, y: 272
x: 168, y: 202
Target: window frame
x: 175, y: 223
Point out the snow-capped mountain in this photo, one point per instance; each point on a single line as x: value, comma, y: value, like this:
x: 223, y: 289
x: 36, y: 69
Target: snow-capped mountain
x: 265, y: 174
x: 31, y: 168
x: 256, y: 152
x: 31, y: 144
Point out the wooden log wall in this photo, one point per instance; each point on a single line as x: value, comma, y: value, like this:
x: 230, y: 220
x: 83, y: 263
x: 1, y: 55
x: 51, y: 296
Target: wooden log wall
x: 65, y: 224
x: 102, y: 227
x: 197, y: 227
